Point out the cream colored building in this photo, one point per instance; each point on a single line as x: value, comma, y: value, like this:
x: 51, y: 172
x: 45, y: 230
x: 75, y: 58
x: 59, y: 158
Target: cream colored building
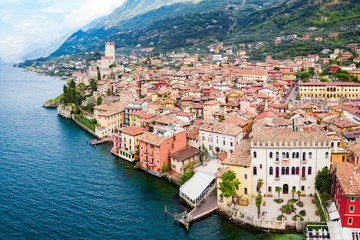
x: 329, y: 90
x: 109, y: 118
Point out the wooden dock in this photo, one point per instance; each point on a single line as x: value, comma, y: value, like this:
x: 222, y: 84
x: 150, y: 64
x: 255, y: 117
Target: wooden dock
x: 206, y: 208
x: 95, y: 142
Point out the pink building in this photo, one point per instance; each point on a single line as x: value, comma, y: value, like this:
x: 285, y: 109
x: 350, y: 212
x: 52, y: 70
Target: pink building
x: 155, y: 148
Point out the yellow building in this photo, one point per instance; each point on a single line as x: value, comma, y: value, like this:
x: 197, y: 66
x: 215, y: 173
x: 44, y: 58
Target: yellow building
x: 329, y: 90
x: 109, y: 118
x: 126, y: 143
x: 240, y: 163
x: 134, y: 118
x: 338, y: 152
x: 356, y: 73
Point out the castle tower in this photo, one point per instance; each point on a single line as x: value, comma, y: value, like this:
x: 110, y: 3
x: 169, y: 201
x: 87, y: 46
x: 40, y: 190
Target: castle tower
x: 110, y: 50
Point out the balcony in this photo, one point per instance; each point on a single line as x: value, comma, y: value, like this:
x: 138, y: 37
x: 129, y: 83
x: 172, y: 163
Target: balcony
x: 277, y: 161
x: 277, y: 178
x: 303, y: 177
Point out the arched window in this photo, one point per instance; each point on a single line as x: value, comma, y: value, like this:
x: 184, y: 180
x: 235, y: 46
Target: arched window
x: 304, y: 156
x: 283, y: 171
x: 293, y: 155
x: 283, y: 155
x: 303, y: 172
x: 260, y: 166
x: 297, y: 155
x: 271, y: 171
x: 287, y: 170
x: 271, y: 155
x: 297, y: 170
x: 287, y: 155
x: 327, y: 155
x: 309, y: 171
x: 254, y: 154
x: 293, y: 171
x: 310, y: 155
x: 254, y: 171
x: 277, y: 172
x: 277, y: 155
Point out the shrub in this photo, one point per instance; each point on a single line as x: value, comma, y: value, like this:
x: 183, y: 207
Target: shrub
x: 93, y: 121
x: 302, y: 213
x: 292, y: 201
x: 187, y: 176
x: 297, y: 216
x: 300, y: 203
x: 321, y: 212
x: 278, y: 200
x: 280, y: 217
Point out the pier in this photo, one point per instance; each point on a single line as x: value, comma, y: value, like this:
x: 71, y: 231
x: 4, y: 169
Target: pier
x: 95, y: 142
x: 206, y: 208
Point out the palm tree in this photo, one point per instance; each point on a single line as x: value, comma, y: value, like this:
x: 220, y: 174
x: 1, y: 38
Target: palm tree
x: 278, y: 189
x: 260, y: 183
x: 258, y: 201
x: 298, y: 193
x: 293, y: 192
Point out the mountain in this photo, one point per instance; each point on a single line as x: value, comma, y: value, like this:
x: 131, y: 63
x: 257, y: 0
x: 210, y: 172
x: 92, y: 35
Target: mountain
x: 44, y: 50
x: 138, y: 16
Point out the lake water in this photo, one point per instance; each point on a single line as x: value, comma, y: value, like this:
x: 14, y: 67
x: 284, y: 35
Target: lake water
x: 54, y: 185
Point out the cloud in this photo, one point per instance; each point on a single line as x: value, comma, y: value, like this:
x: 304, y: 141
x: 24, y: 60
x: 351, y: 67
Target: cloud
x: 27, y: 22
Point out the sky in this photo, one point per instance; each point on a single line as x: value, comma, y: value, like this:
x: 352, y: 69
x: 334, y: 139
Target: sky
x: 30, y: 23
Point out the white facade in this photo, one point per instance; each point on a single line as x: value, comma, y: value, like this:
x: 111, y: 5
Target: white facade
x: 289, y: 164
x: 217, y: 141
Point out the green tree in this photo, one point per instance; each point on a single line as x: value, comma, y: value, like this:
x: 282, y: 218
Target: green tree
x: 228, y: 185
x: 98, y: 74
x: 99, y: 101
x: 93, y: 85
x: 187, y: 176
x: 299, y: 194
x: 259, y: 184
x: 278, y: 190
x: 293, y: 192
x: 258, y: 201
x: 323, y: 180
x: 312, y: 71
x: 304, y: 76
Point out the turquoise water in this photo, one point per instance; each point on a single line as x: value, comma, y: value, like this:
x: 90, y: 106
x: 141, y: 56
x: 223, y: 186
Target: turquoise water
x: 54, y: 185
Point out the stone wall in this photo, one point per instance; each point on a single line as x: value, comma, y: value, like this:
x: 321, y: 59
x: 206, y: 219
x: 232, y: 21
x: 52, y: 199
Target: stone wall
x: 64, y: 111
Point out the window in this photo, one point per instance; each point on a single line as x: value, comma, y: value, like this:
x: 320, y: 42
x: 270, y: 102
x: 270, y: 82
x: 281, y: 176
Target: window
x: 254, y: 171
x: 231, y: 144
x: 245, y: 191
x: 327, y: 154
x: 287, y: 155
x: 309, y: 171
x: 350, y: 221
x: 271, y: 155
x: 271, y: 171
x: 303, y: 172
x: 352, y: 199
x: 277, y: 172
x: 293, y: 155
x: 287, y: 170
x: 269, y: 189
x: 304, y: 156
x: 302, y: 188
x: 254, y: 154
x: 297, y: 170
x: 283, y: 155
x: 310, y: 155
x: 351, y: 208
x: 283, y: 171
x: 293, y: 171
x: 297, y: 155
x: 260, y: 166
x: 294, y: 187
x: 224, y: 142
x: 245, y: 176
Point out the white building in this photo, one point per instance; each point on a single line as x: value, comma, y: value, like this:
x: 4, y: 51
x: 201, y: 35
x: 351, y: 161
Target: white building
x: 219, y: 137
x: 288, y: 159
